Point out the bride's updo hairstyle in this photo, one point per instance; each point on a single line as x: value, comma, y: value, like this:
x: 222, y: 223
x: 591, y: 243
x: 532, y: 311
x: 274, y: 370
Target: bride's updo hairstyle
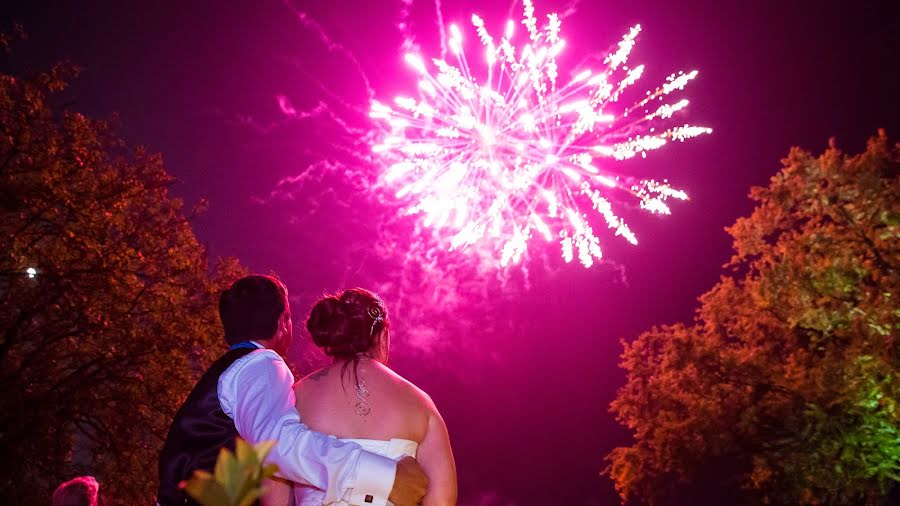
x: 350, y: 325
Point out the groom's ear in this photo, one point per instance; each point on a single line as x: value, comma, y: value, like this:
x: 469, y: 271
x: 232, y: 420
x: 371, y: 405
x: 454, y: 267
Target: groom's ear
x: 285, y: 321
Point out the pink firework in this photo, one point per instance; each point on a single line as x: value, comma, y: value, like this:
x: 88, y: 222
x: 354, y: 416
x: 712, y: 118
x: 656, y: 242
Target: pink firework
x: 489, y: 164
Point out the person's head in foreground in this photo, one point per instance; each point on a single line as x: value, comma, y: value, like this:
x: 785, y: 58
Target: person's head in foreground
x: 81, y: 491
x: 255, y: 308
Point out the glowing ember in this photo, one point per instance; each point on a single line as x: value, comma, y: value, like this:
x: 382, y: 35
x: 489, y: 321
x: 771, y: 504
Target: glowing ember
x: 491, y: 162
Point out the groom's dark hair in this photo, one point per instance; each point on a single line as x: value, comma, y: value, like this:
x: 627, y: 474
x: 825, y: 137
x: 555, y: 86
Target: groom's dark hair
x: 250, y: 309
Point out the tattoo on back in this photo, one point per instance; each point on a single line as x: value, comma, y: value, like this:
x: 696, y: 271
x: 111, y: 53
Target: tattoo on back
x: 316, y: 376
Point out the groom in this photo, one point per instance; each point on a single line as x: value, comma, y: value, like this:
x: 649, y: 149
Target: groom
x: 248, y: 393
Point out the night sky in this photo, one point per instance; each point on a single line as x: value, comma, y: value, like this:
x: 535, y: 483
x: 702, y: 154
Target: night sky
x: 523, y: 376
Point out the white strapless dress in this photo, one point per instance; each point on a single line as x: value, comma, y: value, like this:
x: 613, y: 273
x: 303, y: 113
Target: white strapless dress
x: 396, y: 449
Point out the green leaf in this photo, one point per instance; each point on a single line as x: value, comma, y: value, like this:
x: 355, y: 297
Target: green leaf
x: 251, y: 497
x: 246, y: 455
x: 226, y: 468
x: 206, y: 491
x: 268, y: 471
x: 237, y: 477
x: 263, y: 448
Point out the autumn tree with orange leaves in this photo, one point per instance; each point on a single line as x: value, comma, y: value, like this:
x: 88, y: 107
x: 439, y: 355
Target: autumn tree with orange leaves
x: 785, y: 389
x: 107, y: 303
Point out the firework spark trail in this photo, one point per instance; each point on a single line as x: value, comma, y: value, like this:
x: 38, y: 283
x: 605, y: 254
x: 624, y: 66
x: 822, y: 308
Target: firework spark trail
x: 322, y: 109
x: 287, y: 110
x: 404, y: 25
x: 439, y: 19
x: 406, y: 29
x: 313, y: 26
x: 490, y: 163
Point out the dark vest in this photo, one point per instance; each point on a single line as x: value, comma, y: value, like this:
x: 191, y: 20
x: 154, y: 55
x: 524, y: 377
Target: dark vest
x: 198, y: 432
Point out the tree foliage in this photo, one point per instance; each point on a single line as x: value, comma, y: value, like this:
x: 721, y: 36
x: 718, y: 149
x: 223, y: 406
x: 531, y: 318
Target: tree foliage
x: 107, y: 304
x: 785, y: 389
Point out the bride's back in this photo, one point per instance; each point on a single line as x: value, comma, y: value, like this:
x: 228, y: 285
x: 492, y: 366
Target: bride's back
x: 359, y: 398
x: 372, y: 402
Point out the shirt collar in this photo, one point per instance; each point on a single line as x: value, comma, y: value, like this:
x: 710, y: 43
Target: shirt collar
x: 246, y: 344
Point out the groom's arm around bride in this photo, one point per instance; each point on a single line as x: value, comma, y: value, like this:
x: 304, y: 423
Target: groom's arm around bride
x: 248, y: 393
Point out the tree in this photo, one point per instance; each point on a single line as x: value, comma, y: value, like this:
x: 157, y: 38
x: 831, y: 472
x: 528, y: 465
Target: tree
x: 785, y: 388
x: 107, y: 303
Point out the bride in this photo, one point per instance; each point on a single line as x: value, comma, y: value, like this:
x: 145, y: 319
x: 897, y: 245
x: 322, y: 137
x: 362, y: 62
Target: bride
x: 358, y: 398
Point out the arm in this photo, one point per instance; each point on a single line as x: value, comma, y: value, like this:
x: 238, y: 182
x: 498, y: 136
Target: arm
x: 278, y: 492
x: 436, y: 458
x: 256, y: 392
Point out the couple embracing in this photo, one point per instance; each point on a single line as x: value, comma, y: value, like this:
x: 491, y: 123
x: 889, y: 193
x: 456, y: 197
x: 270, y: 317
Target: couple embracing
x: 351, y: 433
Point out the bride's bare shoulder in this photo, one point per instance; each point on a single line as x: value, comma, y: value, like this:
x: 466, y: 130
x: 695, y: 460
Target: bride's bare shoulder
x: 409, y: 388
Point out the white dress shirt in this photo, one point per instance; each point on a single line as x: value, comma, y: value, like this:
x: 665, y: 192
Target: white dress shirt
x: 256, y: 391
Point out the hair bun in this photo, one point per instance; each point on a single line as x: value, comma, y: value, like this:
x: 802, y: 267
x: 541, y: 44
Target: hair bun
x: 343, y: 325
x: 324, y: 323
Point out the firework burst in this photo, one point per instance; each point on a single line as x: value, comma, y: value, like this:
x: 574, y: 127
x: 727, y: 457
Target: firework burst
x: 490, y: 163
